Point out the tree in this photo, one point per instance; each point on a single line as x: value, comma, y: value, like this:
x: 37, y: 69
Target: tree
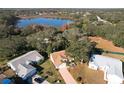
x: 47, y: 41
x: 80, y: 50
x: 8, y: 19
x: 86, y: 21
x: 12, y: 46
x: 49, y: 49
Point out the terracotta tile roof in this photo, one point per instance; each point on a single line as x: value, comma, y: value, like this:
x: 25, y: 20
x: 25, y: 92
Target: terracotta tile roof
x: 56, y: 56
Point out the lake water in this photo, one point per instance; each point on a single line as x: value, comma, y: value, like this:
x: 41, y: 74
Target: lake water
x: 44, y: 21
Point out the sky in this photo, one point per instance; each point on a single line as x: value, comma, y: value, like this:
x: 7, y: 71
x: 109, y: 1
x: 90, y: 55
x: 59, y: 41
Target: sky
x: 61, y: 3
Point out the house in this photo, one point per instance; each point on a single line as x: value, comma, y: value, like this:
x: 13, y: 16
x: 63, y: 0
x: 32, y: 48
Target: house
x: 56, y: 59
x: 24, y: 71
x: 112, y: 68
x: 21, y: 65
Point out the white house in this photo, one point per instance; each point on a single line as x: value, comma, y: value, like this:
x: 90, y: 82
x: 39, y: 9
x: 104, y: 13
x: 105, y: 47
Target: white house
x: 21, y: 65
x: 112, y: 68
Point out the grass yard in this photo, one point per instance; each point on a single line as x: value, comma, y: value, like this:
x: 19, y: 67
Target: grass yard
x: 49, y: 71
x: 9, y: 73
x: 5, y: 70
x: 88, y: 76
x: 3, y: 62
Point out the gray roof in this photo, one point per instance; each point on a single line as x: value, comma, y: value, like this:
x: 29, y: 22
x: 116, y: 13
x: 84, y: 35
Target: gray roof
x: 115, y: 65
x: 21, y: 64
x: 24, y: 59
x: 23, y: 69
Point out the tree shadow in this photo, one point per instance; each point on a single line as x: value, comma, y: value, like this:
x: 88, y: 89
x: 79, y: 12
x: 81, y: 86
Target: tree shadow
x: 123, y: 68
x: 117, y: 53
x: 18, y: 80
x: 98, y: 51
x: 38, y: 68
x: 45, y: 55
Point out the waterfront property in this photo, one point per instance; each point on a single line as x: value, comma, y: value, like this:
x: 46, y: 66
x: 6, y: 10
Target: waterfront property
x: 112, y: 68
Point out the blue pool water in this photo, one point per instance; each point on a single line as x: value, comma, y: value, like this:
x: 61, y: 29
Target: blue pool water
x: 45, y: 21
x: 6, y: 81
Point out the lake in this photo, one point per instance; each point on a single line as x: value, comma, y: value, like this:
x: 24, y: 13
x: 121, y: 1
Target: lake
x: 44, y: 21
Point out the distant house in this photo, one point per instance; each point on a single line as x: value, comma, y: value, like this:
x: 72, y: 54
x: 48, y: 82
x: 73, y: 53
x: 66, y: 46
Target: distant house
x: 21, y: 65
x: 112, y: 68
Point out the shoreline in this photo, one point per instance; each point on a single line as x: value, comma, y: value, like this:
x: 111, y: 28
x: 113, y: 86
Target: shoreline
x: 44, y: 16
x: 62, y: 28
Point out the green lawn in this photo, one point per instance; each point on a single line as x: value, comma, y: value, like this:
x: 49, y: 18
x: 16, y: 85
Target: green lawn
x: 50, y: 71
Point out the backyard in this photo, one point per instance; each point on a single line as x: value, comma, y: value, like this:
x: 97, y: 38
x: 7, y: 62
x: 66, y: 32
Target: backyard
x: 50, y: 73
x: 85, y: 75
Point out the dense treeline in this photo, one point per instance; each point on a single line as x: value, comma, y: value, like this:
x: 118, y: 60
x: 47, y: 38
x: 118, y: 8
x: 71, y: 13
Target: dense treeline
x: 15, y: 41
x: 112, y: 32
x: 110, y: 25
x: 45, y: 39
x: 11, y: 46
x: 8, y: 19
x: 11, y: 43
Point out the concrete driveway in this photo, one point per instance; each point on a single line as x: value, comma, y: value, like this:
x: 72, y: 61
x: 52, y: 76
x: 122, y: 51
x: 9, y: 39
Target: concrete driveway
x: 67, y: 76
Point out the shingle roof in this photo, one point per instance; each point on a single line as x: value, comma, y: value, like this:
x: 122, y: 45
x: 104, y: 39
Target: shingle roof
x: 30, y: 56
x: 24, y: 69
x: 21, y: 64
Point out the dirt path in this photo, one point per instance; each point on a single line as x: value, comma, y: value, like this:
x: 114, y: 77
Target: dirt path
x: 108, y: 45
